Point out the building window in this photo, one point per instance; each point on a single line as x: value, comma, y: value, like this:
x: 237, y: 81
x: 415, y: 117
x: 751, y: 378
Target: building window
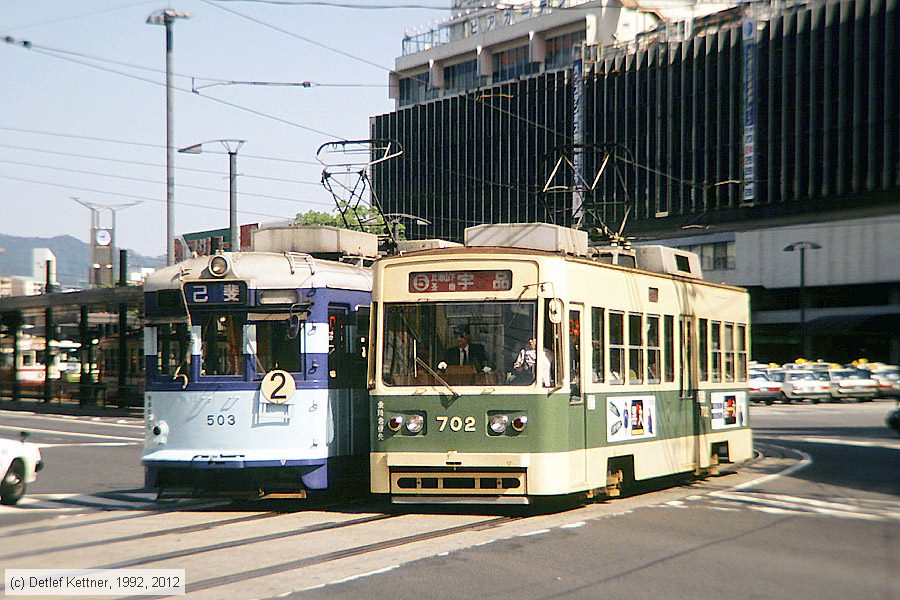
x: 616, y: 348
x: 462, y: 76
x: 513, y: 63
x: 563, y: 49
x: 597, y: 346
x: 718, y: 256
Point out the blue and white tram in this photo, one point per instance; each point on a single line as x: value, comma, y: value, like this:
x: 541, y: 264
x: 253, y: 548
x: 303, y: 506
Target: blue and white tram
x: 256, y: 375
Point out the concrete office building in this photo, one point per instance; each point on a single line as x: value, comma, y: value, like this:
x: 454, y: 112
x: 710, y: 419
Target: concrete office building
x: 736, y: 130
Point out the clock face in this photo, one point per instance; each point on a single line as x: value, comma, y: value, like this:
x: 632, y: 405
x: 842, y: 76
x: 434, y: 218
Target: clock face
x: 102, y: 237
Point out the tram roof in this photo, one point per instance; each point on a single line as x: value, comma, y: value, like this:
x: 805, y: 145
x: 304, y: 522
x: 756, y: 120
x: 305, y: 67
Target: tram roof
x: 266, y: 269
x: 463, y: 251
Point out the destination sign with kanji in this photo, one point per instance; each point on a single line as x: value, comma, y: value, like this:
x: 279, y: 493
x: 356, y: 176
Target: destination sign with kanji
x: 460, y: 281
x: 217, y: 292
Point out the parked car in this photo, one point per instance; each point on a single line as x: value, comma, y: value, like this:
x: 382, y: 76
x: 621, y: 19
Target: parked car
x: 850, y: 384
x: 802, y: 384
x: 19, y: 463
x: 763, y: 388
x: 887, y: 376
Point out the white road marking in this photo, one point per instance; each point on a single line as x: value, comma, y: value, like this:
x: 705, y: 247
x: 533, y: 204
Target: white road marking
x: 806, y: 460
x: 73, y: 419
x: 573, y: 525
x: 73, y: 433
x: 890, y: 444
x: 339, y: 581
x: 105, y: 444
x: 531, y: 533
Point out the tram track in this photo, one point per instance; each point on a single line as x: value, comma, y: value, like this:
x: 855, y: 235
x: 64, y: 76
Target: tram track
x: 186, y: 529
x: 354, y: 551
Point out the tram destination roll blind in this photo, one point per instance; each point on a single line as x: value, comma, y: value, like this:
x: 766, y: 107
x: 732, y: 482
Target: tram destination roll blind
x: 460, y: 281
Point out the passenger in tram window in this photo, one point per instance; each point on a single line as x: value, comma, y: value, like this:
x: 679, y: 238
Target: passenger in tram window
x: 524, y: 366
x: 465, y: 353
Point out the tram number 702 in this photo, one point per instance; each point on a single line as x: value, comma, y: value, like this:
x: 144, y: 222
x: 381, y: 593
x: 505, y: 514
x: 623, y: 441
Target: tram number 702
x: 221, y: 420
x: 456, y: 423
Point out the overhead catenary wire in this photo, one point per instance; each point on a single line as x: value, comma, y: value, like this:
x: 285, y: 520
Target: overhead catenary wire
x: 156, y: 181
x: 149, y: 145
x: 144, y: 164
x: 148, y: 198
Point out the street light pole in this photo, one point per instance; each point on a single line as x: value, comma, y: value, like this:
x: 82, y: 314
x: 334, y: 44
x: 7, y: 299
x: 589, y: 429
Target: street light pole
x: 166, y: 17
x: 803, y: 247
x: 232, y: 147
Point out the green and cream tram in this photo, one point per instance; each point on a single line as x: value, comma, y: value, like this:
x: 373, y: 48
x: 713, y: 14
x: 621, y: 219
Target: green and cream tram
x: 526, y: 365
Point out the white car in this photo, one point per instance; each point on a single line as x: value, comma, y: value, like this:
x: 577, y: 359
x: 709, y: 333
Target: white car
x: 804, y: 384
x: 19, y: 464
x: 850, y: 384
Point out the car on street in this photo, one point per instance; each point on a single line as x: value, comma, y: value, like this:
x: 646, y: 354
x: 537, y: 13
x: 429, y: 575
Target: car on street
x: 804, y: 384
x: 19, y: 463
x: 887, y: 376
x: 763, y: 388
x: 850, y: 384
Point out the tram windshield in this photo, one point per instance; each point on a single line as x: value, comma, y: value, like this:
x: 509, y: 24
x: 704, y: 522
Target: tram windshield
x: 221, y: 346
x: 460, y: 343
x: 276, y: 348
x: 173, y: 348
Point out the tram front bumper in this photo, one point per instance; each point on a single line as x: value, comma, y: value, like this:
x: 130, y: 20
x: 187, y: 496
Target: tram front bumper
x: 436, y: 477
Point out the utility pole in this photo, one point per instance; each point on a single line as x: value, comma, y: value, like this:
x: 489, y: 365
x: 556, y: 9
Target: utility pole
x: 232, y: 147
x: 166, y: 17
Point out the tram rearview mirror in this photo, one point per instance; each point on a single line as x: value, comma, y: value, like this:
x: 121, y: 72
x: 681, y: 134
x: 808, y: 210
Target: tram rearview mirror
x: 555, y: 310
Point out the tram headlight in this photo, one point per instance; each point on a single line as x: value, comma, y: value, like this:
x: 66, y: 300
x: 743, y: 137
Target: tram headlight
x: 218, y: 266
x: 415, y: 423
x: 395, y: 423
x: 499, y: 423
x: 520, y: 422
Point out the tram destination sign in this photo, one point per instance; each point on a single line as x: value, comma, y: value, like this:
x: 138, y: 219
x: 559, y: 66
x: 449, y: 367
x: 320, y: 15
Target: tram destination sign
x: 460, y: 281
x: 216, y: 293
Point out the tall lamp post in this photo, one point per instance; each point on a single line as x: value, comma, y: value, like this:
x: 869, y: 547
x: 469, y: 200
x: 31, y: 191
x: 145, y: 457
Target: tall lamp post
x: 232, y: 147
x: 802, y: 247
x: 166, y: 17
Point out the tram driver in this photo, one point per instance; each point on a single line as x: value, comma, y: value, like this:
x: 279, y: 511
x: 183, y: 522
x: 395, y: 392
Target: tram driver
x: 465, y: 353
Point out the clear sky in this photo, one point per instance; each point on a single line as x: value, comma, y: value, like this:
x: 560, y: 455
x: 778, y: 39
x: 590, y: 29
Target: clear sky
x: 61, y: 119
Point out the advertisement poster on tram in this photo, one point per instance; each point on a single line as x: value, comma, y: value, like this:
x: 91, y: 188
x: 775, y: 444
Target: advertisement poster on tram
x: 630, y: 418
x: 729, y: 409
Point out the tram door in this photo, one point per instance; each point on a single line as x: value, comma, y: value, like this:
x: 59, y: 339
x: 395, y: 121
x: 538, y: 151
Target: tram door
x: 577, y: 420
x: 338, y: 377
x: 691, y: 397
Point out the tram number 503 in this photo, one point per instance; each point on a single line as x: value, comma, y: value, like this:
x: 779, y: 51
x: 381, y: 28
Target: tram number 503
x: 456, y: 423
x: 220, y: 420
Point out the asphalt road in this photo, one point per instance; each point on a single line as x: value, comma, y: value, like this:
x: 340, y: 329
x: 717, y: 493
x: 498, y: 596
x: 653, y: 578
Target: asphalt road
x: 818, y: 517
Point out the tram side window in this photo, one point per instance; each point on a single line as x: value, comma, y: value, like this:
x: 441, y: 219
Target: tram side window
x: 728, y: 342
x: 653, y: 350
x: 616, y: 348
x: 703, y: 342
x: 669, y: 346
x: 715, y: 343
x: 275, y: 348
x: 742, y: 352
x: 222, y: 337
x: 172, y: 348
x: 597, y: 345
x: 635, y: 349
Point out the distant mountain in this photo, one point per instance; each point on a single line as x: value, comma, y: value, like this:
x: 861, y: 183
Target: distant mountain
x: 73, y: 255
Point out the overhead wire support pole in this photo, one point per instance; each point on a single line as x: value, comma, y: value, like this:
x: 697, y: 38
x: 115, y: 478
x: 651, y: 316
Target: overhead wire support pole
x: 166, y: 17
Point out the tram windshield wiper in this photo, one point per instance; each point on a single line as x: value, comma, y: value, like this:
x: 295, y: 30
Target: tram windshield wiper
x: 437, y: 376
